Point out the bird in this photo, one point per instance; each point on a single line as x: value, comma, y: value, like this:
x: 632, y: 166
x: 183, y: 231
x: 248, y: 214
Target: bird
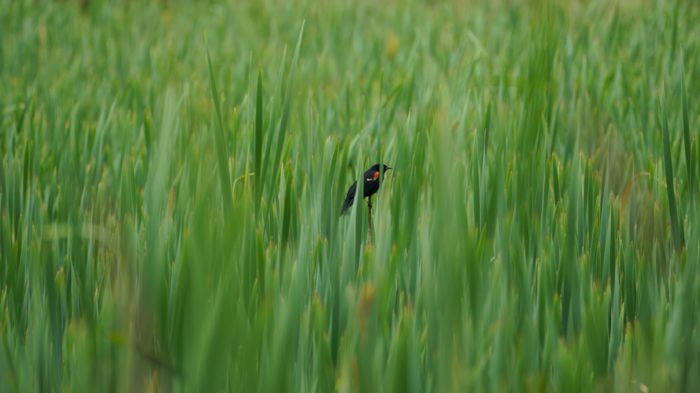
x: 372, y: 180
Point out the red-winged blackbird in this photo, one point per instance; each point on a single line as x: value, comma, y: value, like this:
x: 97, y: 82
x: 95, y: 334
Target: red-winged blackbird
x: 372, y: 181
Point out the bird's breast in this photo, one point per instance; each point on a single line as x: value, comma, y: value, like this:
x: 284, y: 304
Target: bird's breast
x: 371, y: 187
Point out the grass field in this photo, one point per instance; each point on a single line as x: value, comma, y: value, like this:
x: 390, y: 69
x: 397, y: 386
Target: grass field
x: 172, y: 172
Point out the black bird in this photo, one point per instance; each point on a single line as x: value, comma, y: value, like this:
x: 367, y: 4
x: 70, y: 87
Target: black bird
x: 372, y: 181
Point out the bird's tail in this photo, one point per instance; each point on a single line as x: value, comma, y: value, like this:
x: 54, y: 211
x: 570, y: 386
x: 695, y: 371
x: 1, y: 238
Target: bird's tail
x: 347, y: 204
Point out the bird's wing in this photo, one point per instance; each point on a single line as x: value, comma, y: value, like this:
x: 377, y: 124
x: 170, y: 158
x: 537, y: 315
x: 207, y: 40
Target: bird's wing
x: 349, y: 198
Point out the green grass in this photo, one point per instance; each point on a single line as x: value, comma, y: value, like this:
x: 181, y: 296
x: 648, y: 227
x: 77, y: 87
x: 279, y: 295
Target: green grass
x: 172, y: 172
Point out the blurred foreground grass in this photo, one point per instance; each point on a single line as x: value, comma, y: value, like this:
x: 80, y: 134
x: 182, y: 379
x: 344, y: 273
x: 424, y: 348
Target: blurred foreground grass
x: 172, y: 172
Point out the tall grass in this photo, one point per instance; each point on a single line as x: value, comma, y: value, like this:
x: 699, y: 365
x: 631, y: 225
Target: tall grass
x: 172, y: 174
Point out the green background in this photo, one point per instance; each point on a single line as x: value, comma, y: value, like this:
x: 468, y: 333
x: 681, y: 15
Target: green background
x: 172, y: 172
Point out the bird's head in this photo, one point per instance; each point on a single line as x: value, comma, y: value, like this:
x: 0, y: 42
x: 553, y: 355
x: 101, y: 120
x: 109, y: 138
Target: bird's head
x: 380, y: 167
x: 376, y: 170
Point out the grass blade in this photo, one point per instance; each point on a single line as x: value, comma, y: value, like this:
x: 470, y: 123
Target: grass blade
x: 676, y: 227
x: 219, y: 144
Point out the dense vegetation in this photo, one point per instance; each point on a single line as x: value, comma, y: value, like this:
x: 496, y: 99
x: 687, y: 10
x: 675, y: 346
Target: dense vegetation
x: 172, y: 172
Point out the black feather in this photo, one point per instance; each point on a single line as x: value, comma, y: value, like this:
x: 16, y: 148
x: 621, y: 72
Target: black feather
x: 349, y: 198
